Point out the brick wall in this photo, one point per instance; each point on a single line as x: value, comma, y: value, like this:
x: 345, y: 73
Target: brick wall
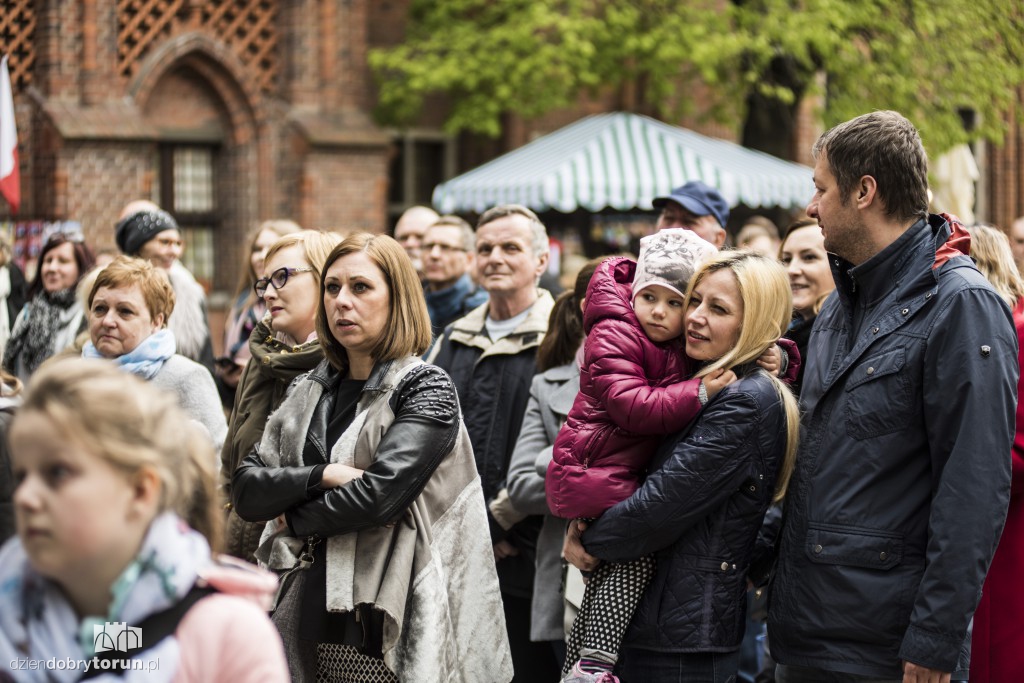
x: 1004, y: 175
x: 96, y: 180
x: 344, y: 190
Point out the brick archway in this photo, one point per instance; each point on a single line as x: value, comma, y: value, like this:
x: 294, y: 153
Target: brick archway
x: 217, y: 77
x: 218, y: 65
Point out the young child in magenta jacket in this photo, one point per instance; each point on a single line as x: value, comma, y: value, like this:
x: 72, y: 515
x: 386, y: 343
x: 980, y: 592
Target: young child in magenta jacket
x: 633, y: 392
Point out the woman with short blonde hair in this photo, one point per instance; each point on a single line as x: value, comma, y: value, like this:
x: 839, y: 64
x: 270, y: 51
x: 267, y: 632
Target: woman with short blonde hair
x: 129, y: 305
x: 248, y: 308
x: 284, y: 345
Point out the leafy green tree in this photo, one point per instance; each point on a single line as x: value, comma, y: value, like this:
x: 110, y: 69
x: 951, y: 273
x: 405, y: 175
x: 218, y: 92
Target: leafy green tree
x: 929, y: 60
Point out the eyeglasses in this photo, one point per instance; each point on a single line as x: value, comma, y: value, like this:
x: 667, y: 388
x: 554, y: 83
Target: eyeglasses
x: 445, y: 248
x: 279, y: 278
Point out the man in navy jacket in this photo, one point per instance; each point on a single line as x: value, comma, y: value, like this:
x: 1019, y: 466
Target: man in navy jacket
x: 903, y: 474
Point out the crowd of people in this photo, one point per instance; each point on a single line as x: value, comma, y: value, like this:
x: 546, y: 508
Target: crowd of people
x: 431, y: 468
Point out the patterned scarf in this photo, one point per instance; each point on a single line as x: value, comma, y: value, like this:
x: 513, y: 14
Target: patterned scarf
x: 146, y: 359
x: 35, y: 334
x: 37, y: 622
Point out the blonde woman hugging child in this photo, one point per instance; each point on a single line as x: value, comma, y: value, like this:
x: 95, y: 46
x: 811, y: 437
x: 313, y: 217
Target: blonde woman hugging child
x: 115, y: 507
x: 634, y: 391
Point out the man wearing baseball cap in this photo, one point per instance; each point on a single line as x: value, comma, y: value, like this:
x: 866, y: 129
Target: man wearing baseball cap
x: 695, y: 206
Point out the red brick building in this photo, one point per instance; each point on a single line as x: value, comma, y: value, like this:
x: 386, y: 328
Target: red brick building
x: 225, y: 112
x: 228, y: 112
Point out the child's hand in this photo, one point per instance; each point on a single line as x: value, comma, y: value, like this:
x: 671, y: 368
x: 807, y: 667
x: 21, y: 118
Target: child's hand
x: 718, y: 380
x: 771, y: 359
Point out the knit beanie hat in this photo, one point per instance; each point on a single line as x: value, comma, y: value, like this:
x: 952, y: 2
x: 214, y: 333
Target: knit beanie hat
x: 669, y: 258
x: 140, y: 227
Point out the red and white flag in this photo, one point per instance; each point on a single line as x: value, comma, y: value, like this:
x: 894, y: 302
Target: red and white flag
x: 10, y: 186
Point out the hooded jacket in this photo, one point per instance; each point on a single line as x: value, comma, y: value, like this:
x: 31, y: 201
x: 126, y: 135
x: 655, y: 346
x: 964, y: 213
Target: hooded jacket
x: 261, y: 390
x: 903, y: 476
x: 632, y: 393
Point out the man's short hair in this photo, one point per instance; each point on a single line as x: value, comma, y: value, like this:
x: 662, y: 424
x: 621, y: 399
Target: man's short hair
x: 466, y: 234
x: 887, y: 147
x: 539, y: 240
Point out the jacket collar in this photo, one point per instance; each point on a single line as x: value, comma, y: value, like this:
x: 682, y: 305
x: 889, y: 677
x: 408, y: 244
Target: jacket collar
x: 903, y: 265
x: 566, y: 385
x: 913, y: 281
x: 471, y: 330
x: 379, y: 379
x: 562, y: 373
x: 274, y: 355
x: 449, y: 298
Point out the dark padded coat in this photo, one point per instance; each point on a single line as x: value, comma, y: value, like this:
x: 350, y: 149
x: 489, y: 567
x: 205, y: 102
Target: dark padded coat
x: 699, y: 512
x: 493, y: 383
x: 903, y: 475
x: 633, y: 392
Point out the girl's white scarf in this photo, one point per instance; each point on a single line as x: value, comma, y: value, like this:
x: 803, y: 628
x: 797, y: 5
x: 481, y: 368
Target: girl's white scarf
x: 37, y: 624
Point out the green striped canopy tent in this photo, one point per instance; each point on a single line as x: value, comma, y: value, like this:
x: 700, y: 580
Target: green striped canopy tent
x: 622, y: 161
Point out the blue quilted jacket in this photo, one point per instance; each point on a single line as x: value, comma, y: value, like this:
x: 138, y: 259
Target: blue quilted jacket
x: 699, y: 512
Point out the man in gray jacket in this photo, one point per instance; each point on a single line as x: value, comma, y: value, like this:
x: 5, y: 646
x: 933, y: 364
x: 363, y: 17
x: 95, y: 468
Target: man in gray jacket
x: 903, y: 474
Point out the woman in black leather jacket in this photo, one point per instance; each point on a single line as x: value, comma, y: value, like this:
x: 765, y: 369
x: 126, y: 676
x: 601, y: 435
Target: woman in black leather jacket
x: 702, y: 504
x: 368, y: 473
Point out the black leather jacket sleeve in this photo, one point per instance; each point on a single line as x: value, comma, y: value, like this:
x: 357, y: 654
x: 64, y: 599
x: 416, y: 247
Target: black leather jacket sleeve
x: 425, y: 428
x: 260, y: 493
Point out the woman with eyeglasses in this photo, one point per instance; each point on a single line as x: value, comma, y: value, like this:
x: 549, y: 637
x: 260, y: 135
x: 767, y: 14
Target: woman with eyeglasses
x: 283, y: 345
x: 53, y: 317
x: 128, y: 307
x: 248, y: 308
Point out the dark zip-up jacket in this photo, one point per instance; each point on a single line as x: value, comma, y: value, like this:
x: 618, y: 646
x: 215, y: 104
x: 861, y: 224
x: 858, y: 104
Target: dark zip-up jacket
x: 903, y: 474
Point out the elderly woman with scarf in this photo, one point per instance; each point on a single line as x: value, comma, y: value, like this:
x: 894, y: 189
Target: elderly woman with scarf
x: 50, y: 321
x: 368, y: 472
x: 129, y: 305
x: 148, y: 232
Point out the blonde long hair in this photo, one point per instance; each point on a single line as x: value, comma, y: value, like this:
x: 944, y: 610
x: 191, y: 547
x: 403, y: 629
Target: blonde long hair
x: 132, y: 425
x: 991, y: 251
x: 767, y: 308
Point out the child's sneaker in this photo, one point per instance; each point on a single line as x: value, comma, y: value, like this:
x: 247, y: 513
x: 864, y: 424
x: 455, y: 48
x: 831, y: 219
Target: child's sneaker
x: 578, y: 675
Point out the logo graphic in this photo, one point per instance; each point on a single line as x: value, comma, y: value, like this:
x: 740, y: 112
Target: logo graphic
x: 116, y: 636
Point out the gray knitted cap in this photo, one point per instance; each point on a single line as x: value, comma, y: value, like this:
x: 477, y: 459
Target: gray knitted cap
x: 670, y: 257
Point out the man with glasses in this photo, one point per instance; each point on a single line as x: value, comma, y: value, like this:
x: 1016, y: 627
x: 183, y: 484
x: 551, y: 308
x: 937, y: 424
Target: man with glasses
x: 447, y: 253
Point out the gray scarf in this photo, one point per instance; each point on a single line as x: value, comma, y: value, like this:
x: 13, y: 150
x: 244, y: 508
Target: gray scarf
x: 34, y: 335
